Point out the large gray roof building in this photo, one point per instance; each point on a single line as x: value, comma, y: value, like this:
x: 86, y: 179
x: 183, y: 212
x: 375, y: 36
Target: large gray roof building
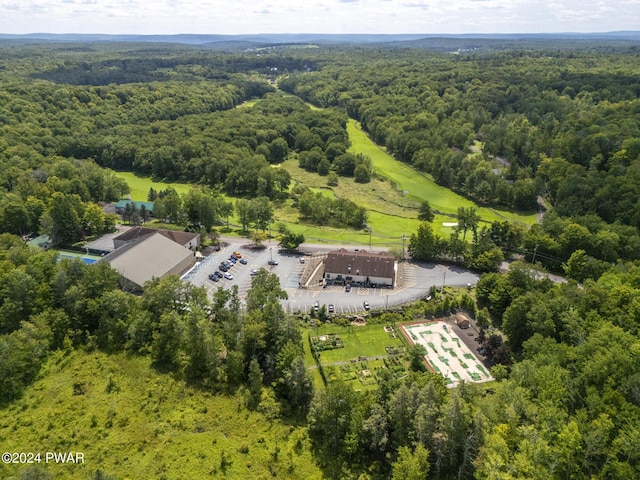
x: 150, y: 256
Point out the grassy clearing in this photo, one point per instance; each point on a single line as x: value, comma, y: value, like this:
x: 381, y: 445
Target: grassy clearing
x: 420, y: 187
x: 140, y: 185
x: 367, y: 341
x: 133, y: 422
x: 248, y: 103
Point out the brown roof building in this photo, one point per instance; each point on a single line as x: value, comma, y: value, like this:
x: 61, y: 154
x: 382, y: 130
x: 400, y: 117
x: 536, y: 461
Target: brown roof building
x: 186, y: 239
x: 344, y: 266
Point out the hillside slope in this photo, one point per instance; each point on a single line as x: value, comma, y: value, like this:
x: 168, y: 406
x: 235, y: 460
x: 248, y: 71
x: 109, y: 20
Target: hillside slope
x: 132, y: 422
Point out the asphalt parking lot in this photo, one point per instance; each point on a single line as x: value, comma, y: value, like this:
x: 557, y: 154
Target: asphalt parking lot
x: 415, y: 280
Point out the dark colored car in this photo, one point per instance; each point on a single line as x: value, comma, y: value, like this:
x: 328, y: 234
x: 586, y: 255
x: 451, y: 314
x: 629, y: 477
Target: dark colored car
x: 243, y: 261
x: 272, y: 262
x: 347, y: 287
x: 223, y: 267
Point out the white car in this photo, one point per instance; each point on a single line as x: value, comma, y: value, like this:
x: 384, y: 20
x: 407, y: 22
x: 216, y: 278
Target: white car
x: 228, y: 276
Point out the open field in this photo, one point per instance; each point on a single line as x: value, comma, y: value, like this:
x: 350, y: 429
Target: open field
x: 140, y: 185
x: 446, y: 352
x: 133, y: 422
x: 361, y: 352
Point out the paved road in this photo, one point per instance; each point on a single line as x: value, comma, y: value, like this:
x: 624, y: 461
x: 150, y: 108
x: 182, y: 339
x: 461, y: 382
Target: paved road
x: 417, y: 279
x: 504, y: 267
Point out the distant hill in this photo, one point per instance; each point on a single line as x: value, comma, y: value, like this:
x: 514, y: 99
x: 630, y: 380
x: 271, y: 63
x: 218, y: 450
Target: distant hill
x: 288, y: 38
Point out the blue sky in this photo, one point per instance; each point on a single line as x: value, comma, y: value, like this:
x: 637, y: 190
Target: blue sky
x: 317, y: 16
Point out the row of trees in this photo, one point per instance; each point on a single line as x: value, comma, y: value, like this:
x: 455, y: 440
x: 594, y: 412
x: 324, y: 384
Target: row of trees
x: 322, y: 210
x: 336, y: 160
x: 484, y: 253
x: 582, y: 247
x: 600, y: 244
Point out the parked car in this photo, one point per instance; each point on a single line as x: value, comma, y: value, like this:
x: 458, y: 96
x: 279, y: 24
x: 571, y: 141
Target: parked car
x: 228, y: 276
x: 237, y: 254
x: 366, y: 306
x: 316, y: 306
x: 254, y: 271
x: 331, y: 309
x: 223, y: 268
x: 272, y: 262
x: 232, y: 260
x: 212, y: 276
x: 301, y: 259
x: 243, y: 261
x: 347, y: 287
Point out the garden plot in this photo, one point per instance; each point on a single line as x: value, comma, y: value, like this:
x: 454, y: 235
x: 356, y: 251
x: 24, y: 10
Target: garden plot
x: 446, y: 353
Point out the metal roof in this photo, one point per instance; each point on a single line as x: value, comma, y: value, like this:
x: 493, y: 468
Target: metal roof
x: 147, y: 257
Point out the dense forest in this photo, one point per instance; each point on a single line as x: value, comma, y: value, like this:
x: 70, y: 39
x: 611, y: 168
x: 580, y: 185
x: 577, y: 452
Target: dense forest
x: 519, y: 128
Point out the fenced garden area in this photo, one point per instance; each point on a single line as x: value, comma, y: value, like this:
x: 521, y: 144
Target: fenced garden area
x: 355, y: 353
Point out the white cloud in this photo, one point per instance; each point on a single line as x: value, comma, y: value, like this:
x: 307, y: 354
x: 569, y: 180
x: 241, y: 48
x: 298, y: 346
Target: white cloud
x: 320, y: 16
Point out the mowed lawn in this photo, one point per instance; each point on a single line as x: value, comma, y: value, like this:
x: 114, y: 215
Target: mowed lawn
x: 421, y: 187
x: 359, y: 341
x: 140, y: 185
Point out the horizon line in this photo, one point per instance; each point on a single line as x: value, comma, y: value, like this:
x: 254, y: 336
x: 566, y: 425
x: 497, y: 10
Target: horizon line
x: 342, y: 33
